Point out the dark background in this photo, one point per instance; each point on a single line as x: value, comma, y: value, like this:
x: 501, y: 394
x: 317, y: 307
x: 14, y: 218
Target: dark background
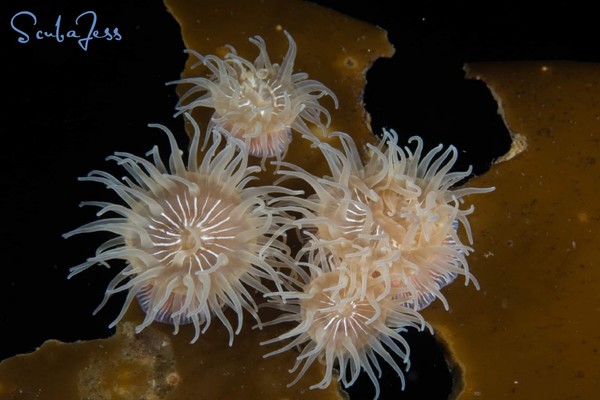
x: 64, y: 110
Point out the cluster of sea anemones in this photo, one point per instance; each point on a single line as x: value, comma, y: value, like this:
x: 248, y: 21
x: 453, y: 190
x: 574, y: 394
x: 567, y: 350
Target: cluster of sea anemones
x: 379, y: 234
x: 380, y: 242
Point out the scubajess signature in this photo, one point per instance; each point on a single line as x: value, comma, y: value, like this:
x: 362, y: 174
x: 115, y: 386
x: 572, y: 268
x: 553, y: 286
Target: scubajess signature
x: 85, y: 29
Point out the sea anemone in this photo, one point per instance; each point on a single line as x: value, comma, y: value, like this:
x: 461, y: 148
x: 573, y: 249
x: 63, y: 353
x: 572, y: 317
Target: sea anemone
x: 258, y: 102
x: 346, y: 319
x: 194, y: 237
x: 397, y: 201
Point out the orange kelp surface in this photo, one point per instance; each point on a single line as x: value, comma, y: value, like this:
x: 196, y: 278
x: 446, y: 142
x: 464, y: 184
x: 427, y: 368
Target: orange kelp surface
x: 533, y: 331
x: 156, y: 364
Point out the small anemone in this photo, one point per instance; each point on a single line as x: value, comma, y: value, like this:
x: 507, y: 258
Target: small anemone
x: 346, y: 318
x: 195, y: 237
x: 261, y: 102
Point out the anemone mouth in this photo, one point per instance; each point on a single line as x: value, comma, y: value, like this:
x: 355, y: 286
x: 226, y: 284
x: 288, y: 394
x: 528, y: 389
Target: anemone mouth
x: 263, y: 98
x: 192, y: 230
x: 339, y: 313
x: 196, y: 234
